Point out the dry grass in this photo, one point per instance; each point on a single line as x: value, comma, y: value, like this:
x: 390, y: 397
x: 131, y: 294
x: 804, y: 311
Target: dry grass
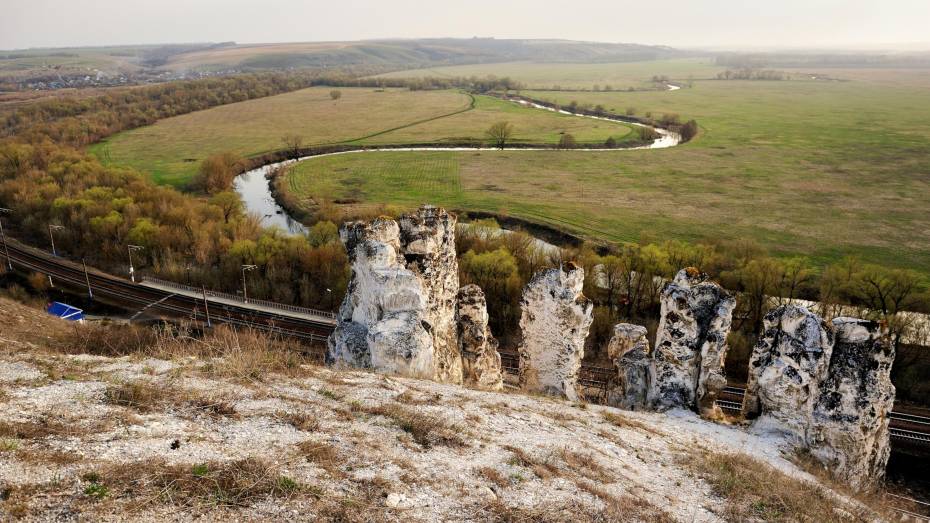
x: 303, y: 421
x: 874, y: 497
x: 754, y: 490
x: 494, y: 476
x: 49, y: 425
x: 625, y: 422
x: 427, y: 430
x: 151, y: 397
x: 322, y: 454
x: 248, y: 355
x: 544, y: 468
x: 232, y: 484
x: 622, y: 510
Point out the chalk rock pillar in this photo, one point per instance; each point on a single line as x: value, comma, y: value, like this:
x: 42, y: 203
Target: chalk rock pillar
x: 786, y: 369
x: 427, y: 239
x: 849, y: 432
x: 380, y: 323
x: 629, y: 350
x: 481, y: 363
x: 555, y: 320
x: 691, y: 343
x: 399, y: 312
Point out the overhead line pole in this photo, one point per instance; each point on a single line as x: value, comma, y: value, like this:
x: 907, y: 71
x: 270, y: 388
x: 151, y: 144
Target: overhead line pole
x: 6, y: 250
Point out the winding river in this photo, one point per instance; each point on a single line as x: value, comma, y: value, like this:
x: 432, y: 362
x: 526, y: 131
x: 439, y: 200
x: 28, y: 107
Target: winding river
x: 254, y: 187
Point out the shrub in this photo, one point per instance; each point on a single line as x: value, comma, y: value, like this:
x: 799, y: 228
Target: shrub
x: 567, y: 141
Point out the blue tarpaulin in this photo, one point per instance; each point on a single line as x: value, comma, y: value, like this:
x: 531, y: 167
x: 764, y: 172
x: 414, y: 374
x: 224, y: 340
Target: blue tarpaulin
x: 65, y: 311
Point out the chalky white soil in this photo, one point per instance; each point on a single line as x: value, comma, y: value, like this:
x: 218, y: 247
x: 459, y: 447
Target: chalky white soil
x: 378, y: 469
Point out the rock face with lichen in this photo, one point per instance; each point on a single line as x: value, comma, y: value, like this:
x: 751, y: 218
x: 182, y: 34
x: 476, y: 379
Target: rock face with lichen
x: 555, y: 320
x: 399, y: 312
x: 786, y: 369
x: 629, y: 350
x: 827, y: 386
x: 691, y: 344
x: 849, y: 430
x: 481, y: 363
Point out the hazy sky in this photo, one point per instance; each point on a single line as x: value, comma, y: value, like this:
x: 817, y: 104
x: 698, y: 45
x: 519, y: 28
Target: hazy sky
x: 781, y: 23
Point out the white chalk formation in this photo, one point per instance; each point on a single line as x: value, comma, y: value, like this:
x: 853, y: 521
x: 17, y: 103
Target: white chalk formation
x: 381, y: 323
x: 399, y: 312
x: 691, y: 344
x: 787, y: 365
x: 481, y: 363
x: 849, y: 430
x: 555, y: 320
x: 427, y: 240
x: 828, y: 387
x: 629, y: 351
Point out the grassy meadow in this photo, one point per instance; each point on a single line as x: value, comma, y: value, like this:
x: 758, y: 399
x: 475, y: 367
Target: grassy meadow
x: 537, y: 75
x: 822, y: 169
x: 171, y: 150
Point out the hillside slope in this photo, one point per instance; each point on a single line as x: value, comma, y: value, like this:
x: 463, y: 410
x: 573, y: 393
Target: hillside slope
x: 86, y: 437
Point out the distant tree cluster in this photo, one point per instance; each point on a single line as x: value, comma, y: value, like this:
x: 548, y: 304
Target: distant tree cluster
x: 753, y: 74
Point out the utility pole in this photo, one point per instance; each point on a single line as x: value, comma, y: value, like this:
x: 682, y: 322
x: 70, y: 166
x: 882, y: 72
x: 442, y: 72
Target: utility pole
x: 206, y: 304
x: 90, y: 292
x: 6, y: 250
x: 132, y: 270
x: 245, y: 291
x: 51, y: 237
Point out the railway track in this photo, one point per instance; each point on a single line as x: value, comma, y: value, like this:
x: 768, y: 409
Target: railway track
x: 180, y: 302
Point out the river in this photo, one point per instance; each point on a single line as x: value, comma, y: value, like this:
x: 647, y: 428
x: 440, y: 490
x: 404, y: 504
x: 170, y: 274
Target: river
x: 254, y: 187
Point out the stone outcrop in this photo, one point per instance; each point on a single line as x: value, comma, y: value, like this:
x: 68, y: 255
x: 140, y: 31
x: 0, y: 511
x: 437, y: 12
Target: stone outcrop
x: 427, y: 238
x: 849, y: 430
x: 786, y: 368
x: 691, y: 344
x: 555, y: 320
x: 399, y: 312
x: 828, y: 387
x: 629, y: 350
x: 481, y: 363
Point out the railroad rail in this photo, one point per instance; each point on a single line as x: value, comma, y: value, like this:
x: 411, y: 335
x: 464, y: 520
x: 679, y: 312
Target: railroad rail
x: 175, y: 301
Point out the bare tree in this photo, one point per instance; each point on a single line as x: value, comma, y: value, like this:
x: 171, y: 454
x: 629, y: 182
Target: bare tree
x: 293, y: 143
x: 500, y: 133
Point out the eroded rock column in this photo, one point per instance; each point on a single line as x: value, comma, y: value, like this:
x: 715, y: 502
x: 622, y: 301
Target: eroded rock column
x: 786, y: 369
x: 555, y: 320
x: 427, y: 239
x: 691, y: 343
x: 400, y: 308
x: 381, y: 322
x: 849, y: 432
x: 481, y: 363
x: 629, y: 350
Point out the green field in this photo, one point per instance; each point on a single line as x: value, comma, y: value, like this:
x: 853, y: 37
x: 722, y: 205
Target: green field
x: 170, y: 150
x: 576, y: 75
x: 817, y: 168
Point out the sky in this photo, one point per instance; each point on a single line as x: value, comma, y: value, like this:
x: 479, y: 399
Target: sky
x: 856, y: 24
